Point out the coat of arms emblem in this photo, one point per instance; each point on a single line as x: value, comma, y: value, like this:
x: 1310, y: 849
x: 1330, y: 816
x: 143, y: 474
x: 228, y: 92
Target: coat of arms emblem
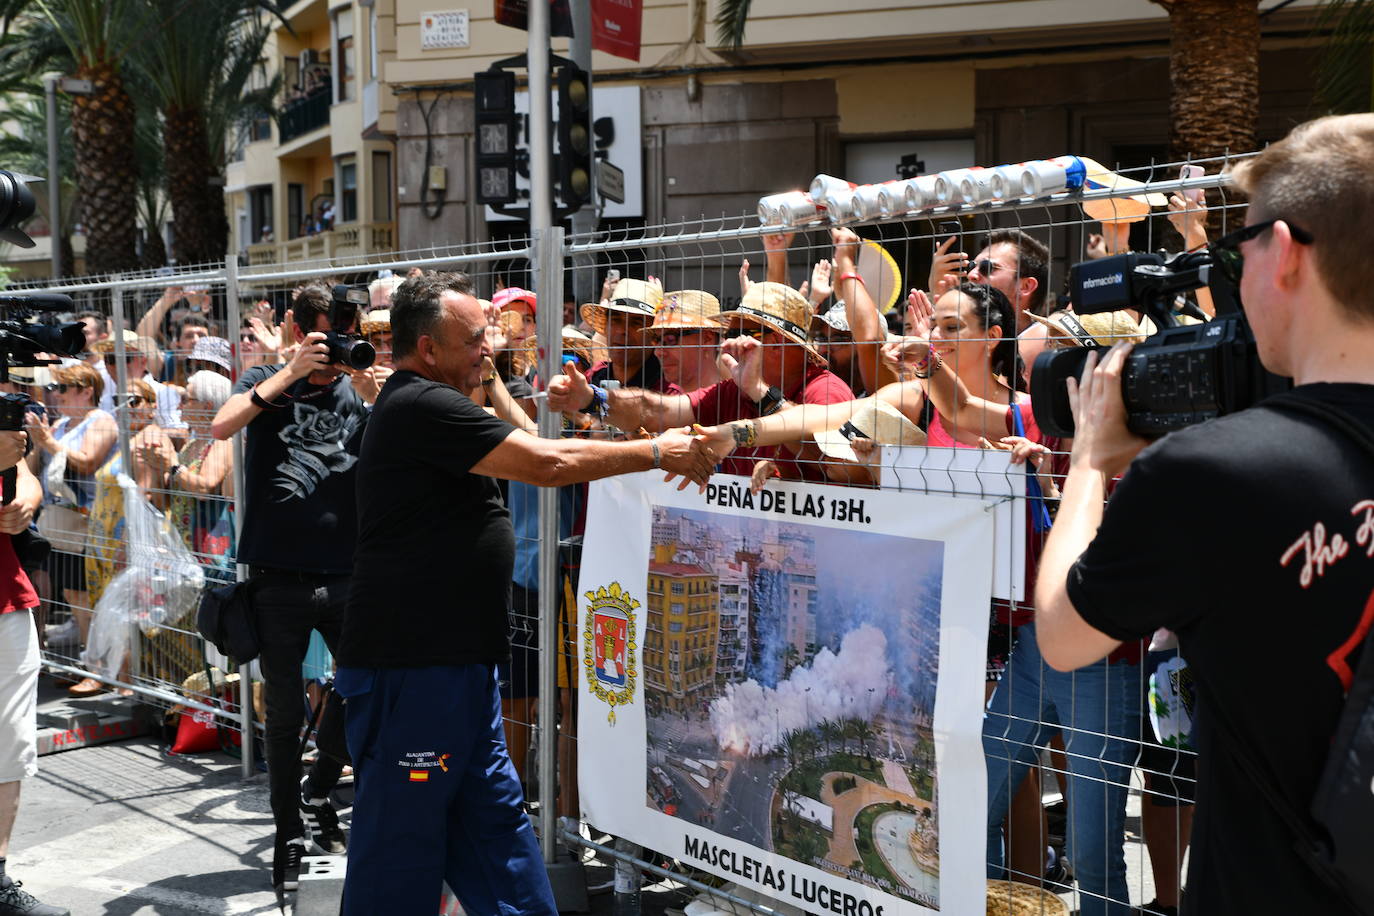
x: 609, y: 644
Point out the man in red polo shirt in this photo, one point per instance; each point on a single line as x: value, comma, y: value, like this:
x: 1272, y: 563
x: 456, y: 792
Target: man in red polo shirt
x: 19, y: 664
x: 772, y: 366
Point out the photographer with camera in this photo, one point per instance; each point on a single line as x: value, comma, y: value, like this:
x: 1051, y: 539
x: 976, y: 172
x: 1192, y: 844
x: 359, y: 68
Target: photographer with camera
x: 1285, y: 566
x: 303, y: 431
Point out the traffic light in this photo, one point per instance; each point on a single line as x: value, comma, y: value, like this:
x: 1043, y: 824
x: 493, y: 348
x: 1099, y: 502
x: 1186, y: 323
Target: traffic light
x: 496, y: 134
x: 574, y: 137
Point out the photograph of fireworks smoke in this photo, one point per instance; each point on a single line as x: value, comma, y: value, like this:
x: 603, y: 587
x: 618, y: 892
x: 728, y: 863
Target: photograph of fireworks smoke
x: 790, y: 676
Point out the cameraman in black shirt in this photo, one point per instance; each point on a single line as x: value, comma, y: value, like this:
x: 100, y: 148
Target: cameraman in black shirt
x: 438, y: 799
x: 1250, y: 536
x: 304, y: 427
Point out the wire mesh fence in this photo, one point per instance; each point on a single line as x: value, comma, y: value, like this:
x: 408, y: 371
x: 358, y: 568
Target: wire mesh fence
x: 837, y: 339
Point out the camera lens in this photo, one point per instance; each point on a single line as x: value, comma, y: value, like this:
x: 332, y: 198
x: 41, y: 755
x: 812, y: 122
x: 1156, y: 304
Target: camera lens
x: 354, y: 353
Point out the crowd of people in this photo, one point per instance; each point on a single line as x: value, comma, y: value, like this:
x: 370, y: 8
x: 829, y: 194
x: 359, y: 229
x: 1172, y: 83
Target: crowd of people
x: 806, y: 382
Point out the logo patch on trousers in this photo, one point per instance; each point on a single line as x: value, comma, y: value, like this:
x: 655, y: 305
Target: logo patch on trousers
x: 419, y: 763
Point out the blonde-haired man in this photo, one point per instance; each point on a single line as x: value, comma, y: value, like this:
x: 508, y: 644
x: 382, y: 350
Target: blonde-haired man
x: 1271, y: 616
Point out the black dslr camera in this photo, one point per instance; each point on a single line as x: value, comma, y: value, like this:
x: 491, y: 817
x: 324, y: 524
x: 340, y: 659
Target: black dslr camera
x: 1182, y: 374
x: 346, y: 345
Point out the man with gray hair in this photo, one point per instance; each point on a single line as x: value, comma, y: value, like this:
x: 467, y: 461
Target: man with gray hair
x: 438, y: 799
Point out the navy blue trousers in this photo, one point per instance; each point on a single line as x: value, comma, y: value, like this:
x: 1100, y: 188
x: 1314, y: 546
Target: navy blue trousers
x: 437, y: 798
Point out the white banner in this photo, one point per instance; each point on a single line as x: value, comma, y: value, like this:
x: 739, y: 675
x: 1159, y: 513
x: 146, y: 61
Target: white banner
x: 787, y: 689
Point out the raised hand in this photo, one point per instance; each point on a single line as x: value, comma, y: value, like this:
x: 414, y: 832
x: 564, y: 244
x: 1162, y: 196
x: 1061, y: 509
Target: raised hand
x: 820, y: 289
x: 846, y: 243
x: 905, y: 354
x: 778, y: 241
x: 948, y: 267
x: 569, y: 393
x: 920, y: 314
x: 742, y: 357
x: 744, y: 281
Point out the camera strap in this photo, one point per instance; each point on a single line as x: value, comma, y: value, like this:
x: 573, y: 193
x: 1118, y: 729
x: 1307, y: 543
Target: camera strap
x: 1040, y: 513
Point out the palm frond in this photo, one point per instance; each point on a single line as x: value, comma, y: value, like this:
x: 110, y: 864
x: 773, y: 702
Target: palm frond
x: 731, y: 21
x: 1346, y: 65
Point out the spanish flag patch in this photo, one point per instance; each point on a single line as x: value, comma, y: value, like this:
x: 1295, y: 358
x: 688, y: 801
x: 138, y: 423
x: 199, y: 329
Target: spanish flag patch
x: 419, y: 775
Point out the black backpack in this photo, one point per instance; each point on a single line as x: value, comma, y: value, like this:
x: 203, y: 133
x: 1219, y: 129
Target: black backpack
x: 1341, y: 852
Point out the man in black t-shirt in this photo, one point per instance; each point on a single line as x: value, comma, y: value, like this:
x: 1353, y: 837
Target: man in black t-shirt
x: 303, y: 427
x: 438, y: 799
x: 1250, y: 536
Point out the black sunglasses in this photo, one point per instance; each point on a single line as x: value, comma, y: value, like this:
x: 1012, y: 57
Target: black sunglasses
x: 59, y: 387
x: 986, y: 267
x: 1226, y: 250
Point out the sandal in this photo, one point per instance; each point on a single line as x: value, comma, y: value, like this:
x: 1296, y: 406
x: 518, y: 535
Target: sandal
x: 87, y: 687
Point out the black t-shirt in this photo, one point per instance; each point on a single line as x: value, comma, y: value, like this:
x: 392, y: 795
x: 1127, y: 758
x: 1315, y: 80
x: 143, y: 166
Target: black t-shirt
x: 435, y: 542
x: 1207, y: 534
x: 299, y: 506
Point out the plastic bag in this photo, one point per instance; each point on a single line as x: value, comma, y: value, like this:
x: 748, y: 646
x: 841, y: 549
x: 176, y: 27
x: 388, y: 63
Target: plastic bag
x: 161, y: 583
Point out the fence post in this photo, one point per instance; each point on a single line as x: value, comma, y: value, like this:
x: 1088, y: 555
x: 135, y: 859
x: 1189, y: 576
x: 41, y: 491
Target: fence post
x: 235, y: 320
x: 121, y: 412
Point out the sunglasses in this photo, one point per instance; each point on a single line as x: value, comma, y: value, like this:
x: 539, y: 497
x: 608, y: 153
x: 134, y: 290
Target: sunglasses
x: 130, y: 400
x: 1226, y: 254
x: 59, y: 387
x: 752, y: 330
x: 247, y: 338
x: 986, y: 267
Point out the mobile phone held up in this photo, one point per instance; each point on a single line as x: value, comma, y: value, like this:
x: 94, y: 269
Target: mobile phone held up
x: 1194, y: 195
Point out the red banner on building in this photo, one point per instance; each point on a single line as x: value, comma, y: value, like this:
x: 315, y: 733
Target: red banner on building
x: 516, y: 14
x: 616, y: 26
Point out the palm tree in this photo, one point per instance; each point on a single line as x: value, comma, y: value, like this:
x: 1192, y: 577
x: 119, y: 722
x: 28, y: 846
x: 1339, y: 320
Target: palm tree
x: 863, y: 733
x: 1344, y: 67
x: 198, y: 64
x: 731, y: 19
x: 96, y: 36
x: 1213, y: 76
x: 830, y: 731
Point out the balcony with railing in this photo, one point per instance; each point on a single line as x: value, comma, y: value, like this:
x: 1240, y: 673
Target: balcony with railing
x: 346, y: 241
x: 301, y: 115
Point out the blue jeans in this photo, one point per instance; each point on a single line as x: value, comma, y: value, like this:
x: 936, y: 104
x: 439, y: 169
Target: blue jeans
x: 437, y: 798
x: 1098, y: 710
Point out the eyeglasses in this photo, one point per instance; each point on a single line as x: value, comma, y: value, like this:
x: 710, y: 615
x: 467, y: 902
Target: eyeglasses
x: 1226, y: 254
x: 130, y: 400
x: 685, y: 337
x: 247, y: 338
x: 58, y: 387
x: 986, y: 267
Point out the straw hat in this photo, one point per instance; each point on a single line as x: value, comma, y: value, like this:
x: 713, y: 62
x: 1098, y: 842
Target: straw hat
x: 377, y: 321
x: 1097, y: 330
x: 687, y: 308
x: 1012, y: 898
x: 574, y: 341
x: 882, y: 278
x: 780, y: 307
x: 876, y: 420
x: 1117, y: 209
x: 633, y: 297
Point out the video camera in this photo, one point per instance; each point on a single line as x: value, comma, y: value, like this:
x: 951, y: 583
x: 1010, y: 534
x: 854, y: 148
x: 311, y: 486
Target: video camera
x: 346, y: 345
x: 1180, y: 375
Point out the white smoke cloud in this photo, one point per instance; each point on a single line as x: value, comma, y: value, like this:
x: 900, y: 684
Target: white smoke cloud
x: 752, y: 719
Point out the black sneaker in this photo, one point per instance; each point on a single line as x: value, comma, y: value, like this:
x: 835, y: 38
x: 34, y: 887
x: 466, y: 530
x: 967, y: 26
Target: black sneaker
x: 286, y: 864
x: 321, y: 823
x: 15, y: 901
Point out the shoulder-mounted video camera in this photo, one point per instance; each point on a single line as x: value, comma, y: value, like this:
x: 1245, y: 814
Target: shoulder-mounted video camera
x: 1180, y: 375
x: 346, y: 345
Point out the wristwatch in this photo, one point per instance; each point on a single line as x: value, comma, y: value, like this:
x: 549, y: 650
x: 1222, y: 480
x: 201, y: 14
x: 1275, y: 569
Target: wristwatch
x: 770, y: 402
x: 490, y: 379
